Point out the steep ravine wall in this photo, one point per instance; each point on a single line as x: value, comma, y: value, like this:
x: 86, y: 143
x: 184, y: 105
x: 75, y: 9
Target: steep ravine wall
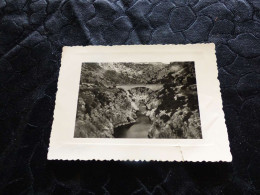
x: 101, y: 109
x: 174, y: 110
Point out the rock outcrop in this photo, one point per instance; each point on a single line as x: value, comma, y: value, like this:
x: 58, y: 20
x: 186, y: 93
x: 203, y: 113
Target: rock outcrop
x: 175, y: 111
x: 101, y: 109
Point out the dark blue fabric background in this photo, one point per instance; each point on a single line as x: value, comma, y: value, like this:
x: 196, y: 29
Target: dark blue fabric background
x: 32, y: 34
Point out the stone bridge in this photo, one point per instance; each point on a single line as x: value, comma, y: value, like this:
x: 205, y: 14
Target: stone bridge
x: 153, y: 87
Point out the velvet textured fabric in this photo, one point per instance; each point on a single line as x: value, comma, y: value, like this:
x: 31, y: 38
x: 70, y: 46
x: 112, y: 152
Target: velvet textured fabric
x: 32, y: 34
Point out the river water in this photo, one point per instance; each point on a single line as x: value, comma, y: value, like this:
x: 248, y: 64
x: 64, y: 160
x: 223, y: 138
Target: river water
x: 139, y: 129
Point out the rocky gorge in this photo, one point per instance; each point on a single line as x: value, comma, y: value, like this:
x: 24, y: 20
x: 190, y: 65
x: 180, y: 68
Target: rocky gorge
x: 159, y: 101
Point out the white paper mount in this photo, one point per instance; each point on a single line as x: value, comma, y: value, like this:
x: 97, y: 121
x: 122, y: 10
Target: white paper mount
x: 213, y: 147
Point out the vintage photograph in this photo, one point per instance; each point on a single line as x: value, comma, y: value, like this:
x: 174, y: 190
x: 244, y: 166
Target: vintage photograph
x: 138, y: 100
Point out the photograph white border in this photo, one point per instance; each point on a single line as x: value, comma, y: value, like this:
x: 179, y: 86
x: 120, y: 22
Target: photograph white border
x: 214, y: 146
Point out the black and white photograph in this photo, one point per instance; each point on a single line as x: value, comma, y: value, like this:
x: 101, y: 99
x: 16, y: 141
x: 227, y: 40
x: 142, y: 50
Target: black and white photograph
x: 138, y: 100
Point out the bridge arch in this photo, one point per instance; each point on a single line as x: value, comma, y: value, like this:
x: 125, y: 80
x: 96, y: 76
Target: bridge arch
x: 153, y: 87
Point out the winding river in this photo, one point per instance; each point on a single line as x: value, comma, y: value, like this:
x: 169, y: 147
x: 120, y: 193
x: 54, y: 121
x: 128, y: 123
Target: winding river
x: 139, y: 129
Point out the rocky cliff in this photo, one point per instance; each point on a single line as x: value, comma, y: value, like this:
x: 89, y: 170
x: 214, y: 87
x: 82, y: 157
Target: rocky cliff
x: 101, y: 109
x: 174, y: 110
x: 123, y: 73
